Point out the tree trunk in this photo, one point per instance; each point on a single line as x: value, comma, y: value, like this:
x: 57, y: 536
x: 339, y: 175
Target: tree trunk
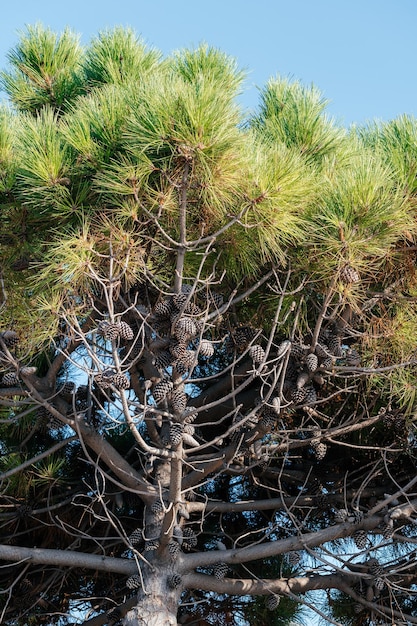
x: 157, y: 607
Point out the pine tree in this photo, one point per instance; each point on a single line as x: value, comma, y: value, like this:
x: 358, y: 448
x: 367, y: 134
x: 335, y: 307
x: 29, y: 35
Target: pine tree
x: 207, y: 343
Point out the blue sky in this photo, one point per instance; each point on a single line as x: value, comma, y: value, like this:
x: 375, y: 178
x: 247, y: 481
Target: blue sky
x: 361, y: 54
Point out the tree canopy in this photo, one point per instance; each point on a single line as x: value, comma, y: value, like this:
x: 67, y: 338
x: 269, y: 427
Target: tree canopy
x: 207, y: 346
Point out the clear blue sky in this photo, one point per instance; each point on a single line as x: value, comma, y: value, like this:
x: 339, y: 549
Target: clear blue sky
x: 361, y: 54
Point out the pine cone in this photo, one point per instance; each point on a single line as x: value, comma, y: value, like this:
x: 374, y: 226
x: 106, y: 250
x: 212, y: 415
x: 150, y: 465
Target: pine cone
x: 272, y: 602
x: 104, y: 379
x: 360, y: 537
x: 319, y: 449
x: 310, y: 395
x: 121, y: 381
x: 293, y: 557
x: 164, y: 308
x: 151, y: 544
x: 189, y: 539
x: 108, y: 330
x: 206, y: 348
x: 379, y: 583
x: 178, y: 400
x: 161, y: 390
x: 174, y: 581
x: 340, y: 516
x: 157, y: 506
x: 216, y: 300
x: 242, y: 336
x: 184, y: 328
x: 175, y: 434
x: 174, y: 549
x: 135, y: 537
x: 125, y: 331
x: 349, y: 275
x: 298, y: 395
x: 10, y: 380
x: 311, y: 362
x: 163, y: 360
x: 134, y: 582
x: 257, y: 353
x: 10, y: 338
x: 220, y: 570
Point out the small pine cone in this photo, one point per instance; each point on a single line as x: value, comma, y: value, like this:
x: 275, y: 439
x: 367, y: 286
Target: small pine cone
x: 81, y: 406
x: 352, y: 358
x: 25, y: 586
x: 184, y: 328
x: 399, y: 424
x: 216, y: 300
x: 335, y: 345
x: 174, y: 549
x: 190, y: 415
x: 161, y: 390
x: 187, y: 360
x: 178, y: 349
x: 320, y: 450
x: 379, y: 583
x: 387, y: 529
x: 322, y: 351
x: 360, y: 538
x: 310, y: 394
x: 189, y: 429
x: 152, y: 544
x: 298, y: 395
x: 179, y: 300
x: 10, y: 338
x: 272, y: 602
x: 178, y: 400
x: 311, y: 362
x: 108, y: 330
x: 125, y: 331
x: 135, y: 537
x: 358, y: 608
x: 220, y: 570
x: 375, y: 569
x: 121, y: 381
x: 163, y: 360
x: 175, y: 434
x: 134, y: 582
x: 243, y: 335
x: 302, y: 379
x: 327, y: 363
x: 283, y: 348
x: 298, y: 351
x: 206, y: 348
x: 276, y: 405
x: 174, y: 581
x: 164, y: 308
x: 356, y: 516
x: 293, y: 557
x: 268, y: 419
x: 192, y: 309
x: 189, y: 539
x: 257, y: 353
x: 157, y: 506
x: 104, y: 379
x: 10, y: 380
x: 340, y: 516
x: 349, y: 275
